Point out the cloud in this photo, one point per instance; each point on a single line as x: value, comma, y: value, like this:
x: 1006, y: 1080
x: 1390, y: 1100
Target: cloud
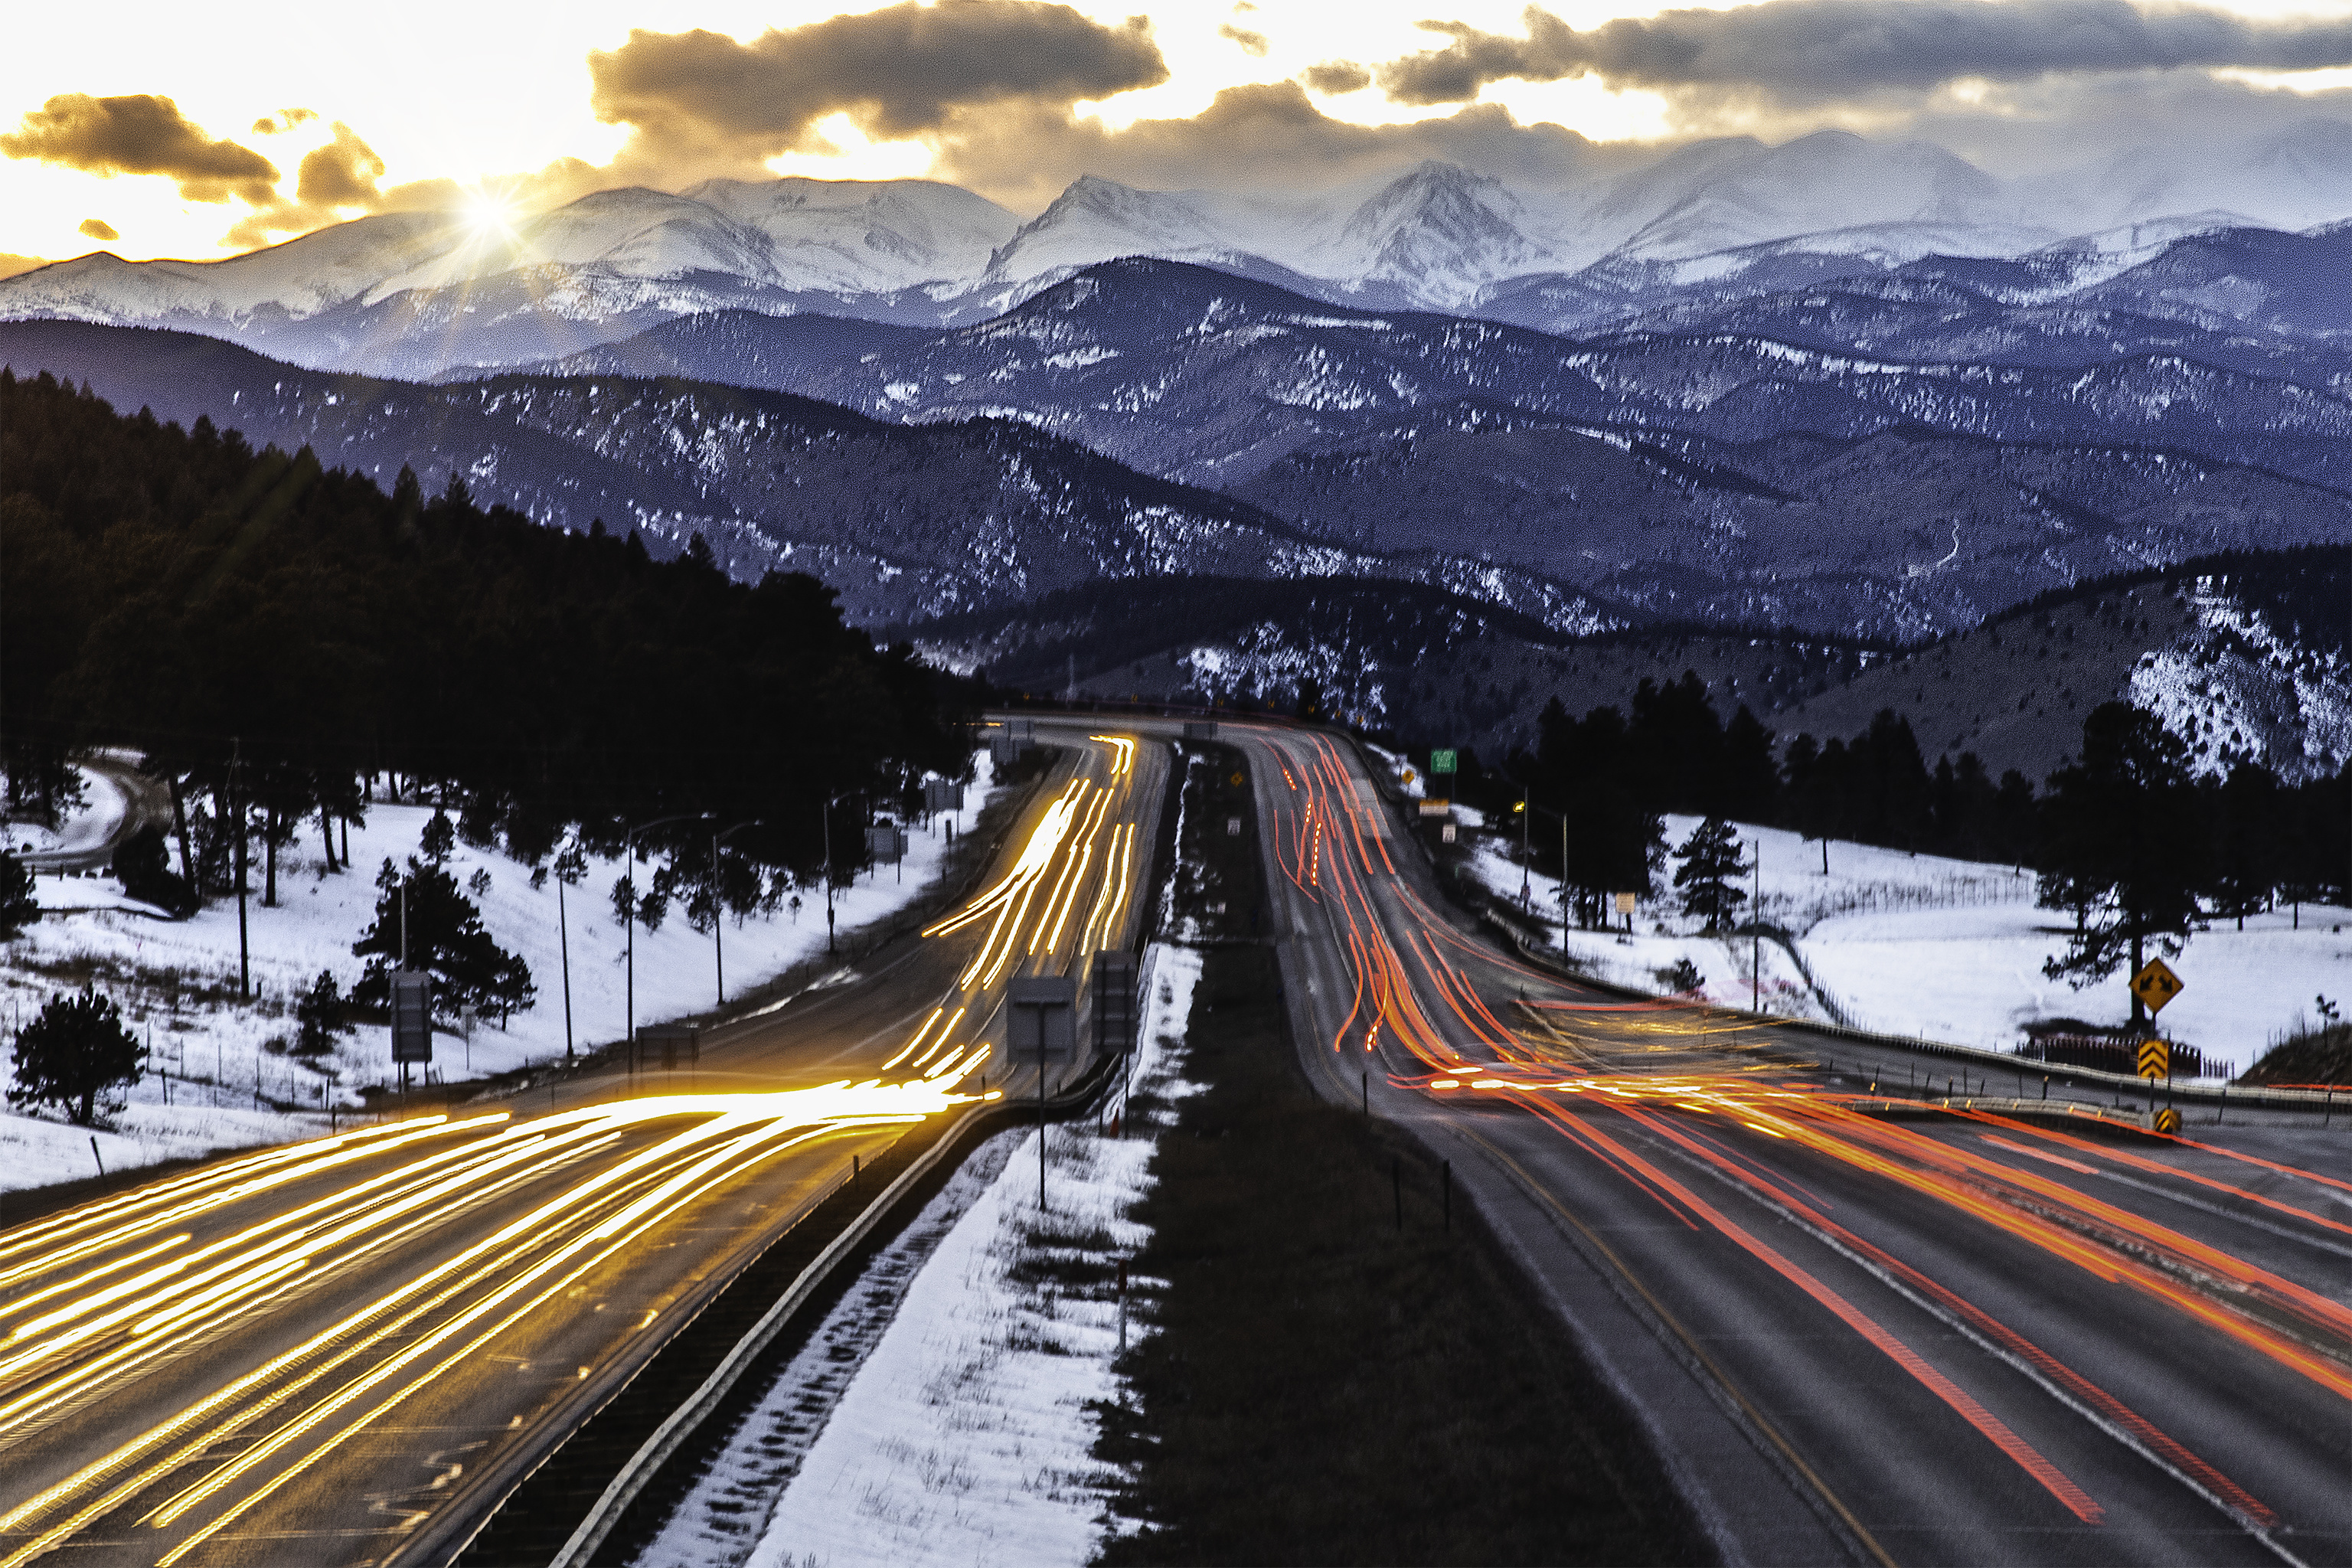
x: 1252, y: 44
x: 141, y: 134
x: 1814, y: 50
x: 284, y: 119
x: 1337, y: 76
x: 99, y: 229
x: 700, y: 101
x: 342, y: 174
x: 1267, y: 137
x: 10, y: 264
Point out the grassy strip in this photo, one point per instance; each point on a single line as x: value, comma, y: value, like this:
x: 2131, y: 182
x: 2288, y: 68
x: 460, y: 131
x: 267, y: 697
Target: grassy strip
x: 1327, y: 1387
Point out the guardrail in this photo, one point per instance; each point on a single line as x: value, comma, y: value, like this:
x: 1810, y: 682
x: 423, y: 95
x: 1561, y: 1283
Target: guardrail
x: 2219, y: 1096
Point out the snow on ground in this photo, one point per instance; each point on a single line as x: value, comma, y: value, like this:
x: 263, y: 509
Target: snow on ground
x: 211, y: 1069
x: 1947, y: 950
x: 963, y: 1436
x: 103, y: 804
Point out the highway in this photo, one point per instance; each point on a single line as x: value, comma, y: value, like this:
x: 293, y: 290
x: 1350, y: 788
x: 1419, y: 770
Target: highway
x: 1924, y: 1338
x: 299, y: 1355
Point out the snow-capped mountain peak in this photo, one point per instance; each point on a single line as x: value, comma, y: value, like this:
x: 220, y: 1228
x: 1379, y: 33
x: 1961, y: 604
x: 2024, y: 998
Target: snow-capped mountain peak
x: 1439, y: 231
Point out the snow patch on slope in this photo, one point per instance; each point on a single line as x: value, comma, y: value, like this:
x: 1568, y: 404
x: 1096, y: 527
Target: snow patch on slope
x: 2235, y: 689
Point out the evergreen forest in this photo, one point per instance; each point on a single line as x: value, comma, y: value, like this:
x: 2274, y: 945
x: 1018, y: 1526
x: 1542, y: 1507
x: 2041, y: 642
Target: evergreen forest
x: 282, y: 640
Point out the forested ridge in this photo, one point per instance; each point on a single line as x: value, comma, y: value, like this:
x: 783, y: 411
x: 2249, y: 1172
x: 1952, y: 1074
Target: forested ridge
x: 212, y: 606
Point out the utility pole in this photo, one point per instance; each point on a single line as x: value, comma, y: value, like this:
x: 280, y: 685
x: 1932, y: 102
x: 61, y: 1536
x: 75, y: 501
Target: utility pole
x: 1756, y: 929
x: 236, y: 806
x: 564, y: 945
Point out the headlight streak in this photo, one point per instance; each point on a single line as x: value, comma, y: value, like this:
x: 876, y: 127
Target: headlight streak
x: 909, y: 1049
x: 1074, y: 871
x: 286, y: 1415
x: 750, y: 1128
x: 27, y: 1236
x: 46, y: 1398
x: 239, y: 1245
x: 298, y: 1164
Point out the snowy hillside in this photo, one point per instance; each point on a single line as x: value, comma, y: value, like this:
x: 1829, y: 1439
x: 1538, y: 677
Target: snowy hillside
x: 219, y: 1074
x: 1950, y: 950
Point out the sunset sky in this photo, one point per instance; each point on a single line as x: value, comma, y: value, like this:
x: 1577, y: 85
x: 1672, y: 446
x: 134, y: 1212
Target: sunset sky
x: 296, y: 116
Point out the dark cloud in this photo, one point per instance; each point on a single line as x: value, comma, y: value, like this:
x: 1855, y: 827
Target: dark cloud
x: 1813, y: 50
x: 701, y: 100
x: 329, y: 181
x: 1252, y: 44
x: 141, y: 134
x: 99, y: 229
x: 1267, y: 137
x: 1337, y: 76
x: 284, y: 119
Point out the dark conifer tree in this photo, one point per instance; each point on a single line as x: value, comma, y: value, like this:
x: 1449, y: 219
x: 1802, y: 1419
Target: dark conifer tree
x: 2123, y: 848
x: 19, y: 905
x: 73, y: 1054
x: 1708, y: 876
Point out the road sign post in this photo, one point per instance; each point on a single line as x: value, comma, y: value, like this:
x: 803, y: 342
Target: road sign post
x: 678, y: 1042
x: 412, y: 1019
x: 1040, y: 1009
x: 2155, y: 1062
x: 1625, y: 908
x: 1116, y: 1011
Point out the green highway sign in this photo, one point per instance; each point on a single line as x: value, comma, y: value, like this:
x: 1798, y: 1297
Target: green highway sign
x: 1441, y: 762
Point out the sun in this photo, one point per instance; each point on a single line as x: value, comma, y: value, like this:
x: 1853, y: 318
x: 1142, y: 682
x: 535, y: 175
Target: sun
x: 489, y: 214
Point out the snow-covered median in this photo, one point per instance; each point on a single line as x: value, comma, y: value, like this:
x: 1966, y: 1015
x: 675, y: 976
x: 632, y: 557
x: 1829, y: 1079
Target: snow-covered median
x: 1949, y: 950
x: 939, y: 1414
x: 212, y: 1075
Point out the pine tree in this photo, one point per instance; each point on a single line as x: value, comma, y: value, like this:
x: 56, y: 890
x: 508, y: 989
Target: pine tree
x: 18, y: 906
x: 2122, y: 848
x: 439, y: 839
x: 1709, y: 875
x: 319, y: 1018
x: 73, y: 1053
x: 446, y: 939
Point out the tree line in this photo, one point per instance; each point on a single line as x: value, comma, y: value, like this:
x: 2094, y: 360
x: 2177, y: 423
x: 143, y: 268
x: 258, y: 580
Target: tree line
x: 2129, y: 840
x: 283, y: 640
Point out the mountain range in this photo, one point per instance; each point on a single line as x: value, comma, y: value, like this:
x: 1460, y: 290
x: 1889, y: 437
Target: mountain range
x: 413, y: 294
x: 1789, y: 408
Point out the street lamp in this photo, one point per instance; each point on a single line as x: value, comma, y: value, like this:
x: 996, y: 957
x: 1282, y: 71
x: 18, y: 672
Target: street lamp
x: 718, y: 950
x: 1527, y: 866
x: 629, y: 869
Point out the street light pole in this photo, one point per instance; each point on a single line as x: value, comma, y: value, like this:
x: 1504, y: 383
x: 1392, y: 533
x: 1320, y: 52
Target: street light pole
x: 718, y: 948
x: 629, y: 870
x: 1527, y: 866
x: 831, y: 947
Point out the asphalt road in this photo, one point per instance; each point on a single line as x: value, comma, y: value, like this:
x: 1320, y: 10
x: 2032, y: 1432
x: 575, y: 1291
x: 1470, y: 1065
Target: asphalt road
x: 1935, y: 1337
x: 298, y: 1355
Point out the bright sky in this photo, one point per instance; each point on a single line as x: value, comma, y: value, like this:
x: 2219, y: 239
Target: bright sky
x: 465, y: 90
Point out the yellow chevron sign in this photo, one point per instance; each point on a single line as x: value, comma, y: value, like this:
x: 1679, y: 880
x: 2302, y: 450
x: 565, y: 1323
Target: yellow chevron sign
x: 2155, y: 1059
x: 2168, y: 1120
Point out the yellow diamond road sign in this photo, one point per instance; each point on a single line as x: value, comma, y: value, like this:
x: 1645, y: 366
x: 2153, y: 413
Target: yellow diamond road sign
x: 2154, y: 985
x: 2155, y: 1059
